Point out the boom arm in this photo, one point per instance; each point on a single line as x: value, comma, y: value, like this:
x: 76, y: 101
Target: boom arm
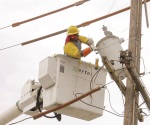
x: 9, y: 115
x: 26, y: 105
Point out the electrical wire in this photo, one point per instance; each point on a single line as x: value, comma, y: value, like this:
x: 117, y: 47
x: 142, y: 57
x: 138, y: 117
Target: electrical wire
x: 96, y: 76
x: 96, y: 73
x: 5, y: 27
x: 117, y: 114
x: 110, y: 10
x: 80, y: 25
x: 111, y: 104
x: 98, y: 107
x: 147, y: 115
x: 143, y: 64
x: 118, y: 77
x: 47, y: 14
x: 58, y: 116
x: 136, y: 67
x: 119, y: 30
x: 121, y: 72
x: 106, y: 83
x: 146, y: 109
x: 19, y: 121
x: 9, y: 47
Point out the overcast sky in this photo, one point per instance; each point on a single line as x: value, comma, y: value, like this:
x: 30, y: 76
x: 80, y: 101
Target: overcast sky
x: 20, y: 63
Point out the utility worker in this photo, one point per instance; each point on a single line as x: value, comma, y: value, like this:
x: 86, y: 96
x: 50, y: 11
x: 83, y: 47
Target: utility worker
x: 73, y: 43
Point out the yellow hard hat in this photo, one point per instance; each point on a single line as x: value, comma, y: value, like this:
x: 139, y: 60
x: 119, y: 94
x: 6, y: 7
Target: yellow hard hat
x: 72, y: 30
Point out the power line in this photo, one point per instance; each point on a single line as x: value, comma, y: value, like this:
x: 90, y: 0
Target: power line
x: 95, y: 75
x: 99, y: 107
x: 20, y: 121
x: 64, y: 30
x: 5, y: 27
x: 9, y: 47
x: 110, y: 10
x: 46, y: 14
x: 111, y: 104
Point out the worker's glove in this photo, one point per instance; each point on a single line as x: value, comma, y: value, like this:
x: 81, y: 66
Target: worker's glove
x: 94, y: 48
x: 91, y: 44
x: 90, y: 41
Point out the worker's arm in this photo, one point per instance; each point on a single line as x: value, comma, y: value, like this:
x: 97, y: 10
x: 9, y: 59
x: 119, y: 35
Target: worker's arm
x: 89, y: 42
x: 83, y: 39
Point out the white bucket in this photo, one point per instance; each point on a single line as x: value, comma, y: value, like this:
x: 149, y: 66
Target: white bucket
x: 73, y: 78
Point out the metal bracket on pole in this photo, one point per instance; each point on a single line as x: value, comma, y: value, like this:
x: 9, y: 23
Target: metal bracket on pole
x: 118, y: 81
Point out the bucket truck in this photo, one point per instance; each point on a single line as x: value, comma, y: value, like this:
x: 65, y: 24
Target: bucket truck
x: 62, y: 79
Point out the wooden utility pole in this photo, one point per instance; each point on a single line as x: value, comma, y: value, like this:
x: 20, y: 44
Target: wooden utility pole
x: 132, y: 94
